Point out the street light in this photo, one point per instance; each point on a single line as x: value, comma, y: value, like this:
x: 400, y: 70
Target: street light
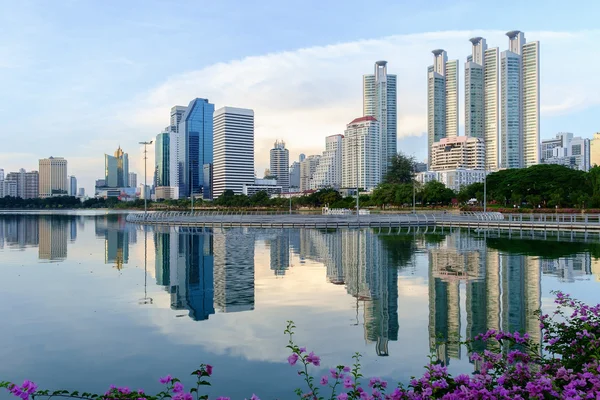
x: 145, y: 177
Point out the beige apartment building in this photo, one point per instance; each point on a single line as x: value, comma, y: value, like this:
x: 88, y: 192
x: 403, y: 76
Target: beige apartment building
x: 53, y: 177
x: 459, y: 152
x: 595, y: 150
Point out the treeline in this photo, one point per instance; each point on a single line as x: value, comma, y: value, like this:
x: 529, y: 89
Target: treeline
x: 539, y: 186
x: 66, y: 202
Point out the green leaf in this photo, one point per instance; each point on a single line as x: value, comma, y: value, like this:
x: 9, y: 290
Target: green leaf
x: 193, y: 390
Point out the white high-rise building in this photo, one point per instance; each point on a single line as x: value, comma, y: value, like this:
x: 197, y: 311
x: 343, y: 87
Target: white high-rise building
x: 520, y: 98
x: 233, y: 150
x: 307, y: 169
x: 1, y: 174
x: 442, y: 99
x: 53, y: 177
x: 481, y: 98
x: 360, y: 154
x: 379, y: 101
x: 329, y: 170
x: 132, y: 179
x: 280, y: 164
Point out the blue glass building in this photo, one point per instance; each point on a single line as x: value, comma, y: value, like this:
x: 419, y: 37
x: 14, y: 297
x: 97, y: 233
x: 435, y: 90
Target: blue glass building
x: 196, y: 126
x: 162, y: 157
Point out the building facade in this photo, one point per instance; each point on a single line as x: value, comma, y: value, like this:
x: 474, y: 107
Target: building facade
x: 162, y: 159
x: 194, y: 147
x: 307, y: 169
x: 72, y: 186
x: 132, y: 179
x: 295, y: 176
x: 564, y: 149
x: 380, y: 102
x: 269, y: 186
x: 442, y: 99
x: 458, y: 152
x: 454, y: 179
x: 595, y: 150
x: 481, y: 98
x: 233, y: 150
x: 360, y: 154
x: 53, y: 177
x: 279, y: 165
x: 520, y: 98
x: 27, y: 183
x: 328, y: 173
x: 8, y: 188
x: 116, y: 169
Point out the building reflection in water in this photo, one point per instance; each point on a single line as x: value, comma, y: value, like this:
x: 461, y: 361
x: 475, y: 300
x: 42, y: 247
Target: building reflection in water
x: 53, y: 237
x: 206, y: 271
x: 118, y: 235
x: 19, y: 231
x: 502, y: 292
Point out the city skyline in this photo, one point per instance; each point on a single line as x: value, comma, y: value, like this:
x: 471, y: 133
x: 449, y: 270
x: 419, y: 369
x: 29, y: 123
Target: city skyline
x: 118, y: 101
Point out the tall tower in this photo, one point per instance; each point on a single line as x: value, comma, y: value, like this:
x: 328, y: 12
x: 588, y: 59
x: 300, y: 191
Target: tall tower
x: 162, y: 156
x: 53, y: 177
x: 233, y: 150
x: 280, y: 164
x: 481, y: 98
x: 520, y: 97
x: 379, y: 101
x: 442, y: 99
x: 195, y: 132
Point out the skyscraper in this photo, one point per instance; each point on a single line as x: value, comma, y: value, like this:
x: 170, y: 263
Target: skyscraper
x: 520, y: 98
x: 132, y: 179
x: 53, y: 177
x: 379, y: 101
x: 360, y: 154
x: 279, y: 165
x: 162, y: 155
x: 329, y: 170
x: 176, y: 115
x: 233, y: 165
x: 307, y: 169
x: 481, y: 98
x: 116, y: 169
x: 195, y: 148
x: 72, y: 186
x: 442, y: 99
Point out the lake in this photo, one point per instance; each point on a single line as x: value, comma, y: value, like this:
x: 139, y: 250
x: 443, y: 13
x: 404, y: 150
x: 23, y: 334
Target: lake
x: 88, y: 300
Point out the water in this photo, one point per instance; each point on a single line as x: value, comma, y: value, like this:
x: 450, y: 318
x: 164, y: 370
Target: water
x: 87, y: 300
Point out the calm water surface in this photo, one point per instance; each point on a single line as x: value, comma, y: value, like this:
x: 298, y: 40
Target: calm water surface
x: 87, y: 300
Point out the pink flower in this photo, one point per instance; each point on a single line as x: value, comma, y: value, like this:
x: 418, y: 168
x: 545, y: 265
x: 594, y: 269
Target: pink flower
x: 223, y: 398
x: 165, y: 380
x: 342, y: 396
x: 348, y: 382
x: 302, y: 350
x: 209, y: 369
x: 346, y: 369
x: 324, y: 380
x: 254, y: 397
x: 178, y: 387
x: 293, y: 359
x: 313, y: 359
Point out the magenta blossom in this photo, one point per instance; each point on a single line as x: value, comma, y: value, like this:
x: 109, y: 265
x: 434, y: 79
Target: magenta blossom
x: 313, y: 359
x: 223, y: 398
x: 254, y: 397
x: 342, y: 396
x: 324, y: 380
x: 209, y: 369
x: 178, y: 387
x: 348, y: 382
x: 293, y: 359
x: 165, y: 380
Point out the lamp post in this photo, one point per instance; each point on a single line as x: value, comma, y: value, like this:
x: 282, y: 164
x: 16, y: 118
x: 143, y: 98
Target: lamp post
x: 145, y: 177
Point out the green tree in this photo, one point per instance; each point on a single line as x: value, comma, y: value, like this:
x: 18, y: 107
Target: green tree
x: 401, y: 169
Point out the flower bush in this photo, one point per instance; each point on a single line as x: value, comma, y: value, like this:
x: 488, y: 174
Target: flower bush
x: 565, y: 365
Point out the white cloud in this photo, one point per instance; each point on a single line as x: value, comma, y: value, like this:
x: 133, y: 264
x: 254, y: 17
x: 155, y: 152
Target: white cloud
x: 304, y: 95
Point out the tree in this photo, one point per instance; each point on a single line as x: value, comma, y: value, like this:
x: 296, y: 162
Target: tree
x: 435, y: 192
x: 401, y: 169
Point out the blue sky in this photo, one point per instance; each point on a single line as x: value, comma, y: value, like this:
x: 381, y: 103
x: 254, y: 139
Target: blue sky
x: 78, y: 78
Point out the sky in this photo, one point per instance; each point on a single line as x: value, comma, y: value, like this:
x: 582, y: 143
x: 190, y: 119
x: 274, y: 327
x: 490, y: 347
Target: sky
x: 78, y: 78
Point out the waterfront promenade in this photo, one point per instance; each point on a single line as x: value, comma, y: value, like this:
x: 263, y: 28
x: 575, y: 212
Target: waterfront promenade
x: 573, y: 222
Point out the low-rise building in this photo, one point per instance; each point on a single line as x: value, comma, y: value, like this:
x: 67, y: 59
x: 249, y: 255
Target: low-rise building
x: 167, y: 193
x: 262, y: 185
x: 564, y: 149
x: 8, y: 188
x: 460, y: 152
x: 452, y: 179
